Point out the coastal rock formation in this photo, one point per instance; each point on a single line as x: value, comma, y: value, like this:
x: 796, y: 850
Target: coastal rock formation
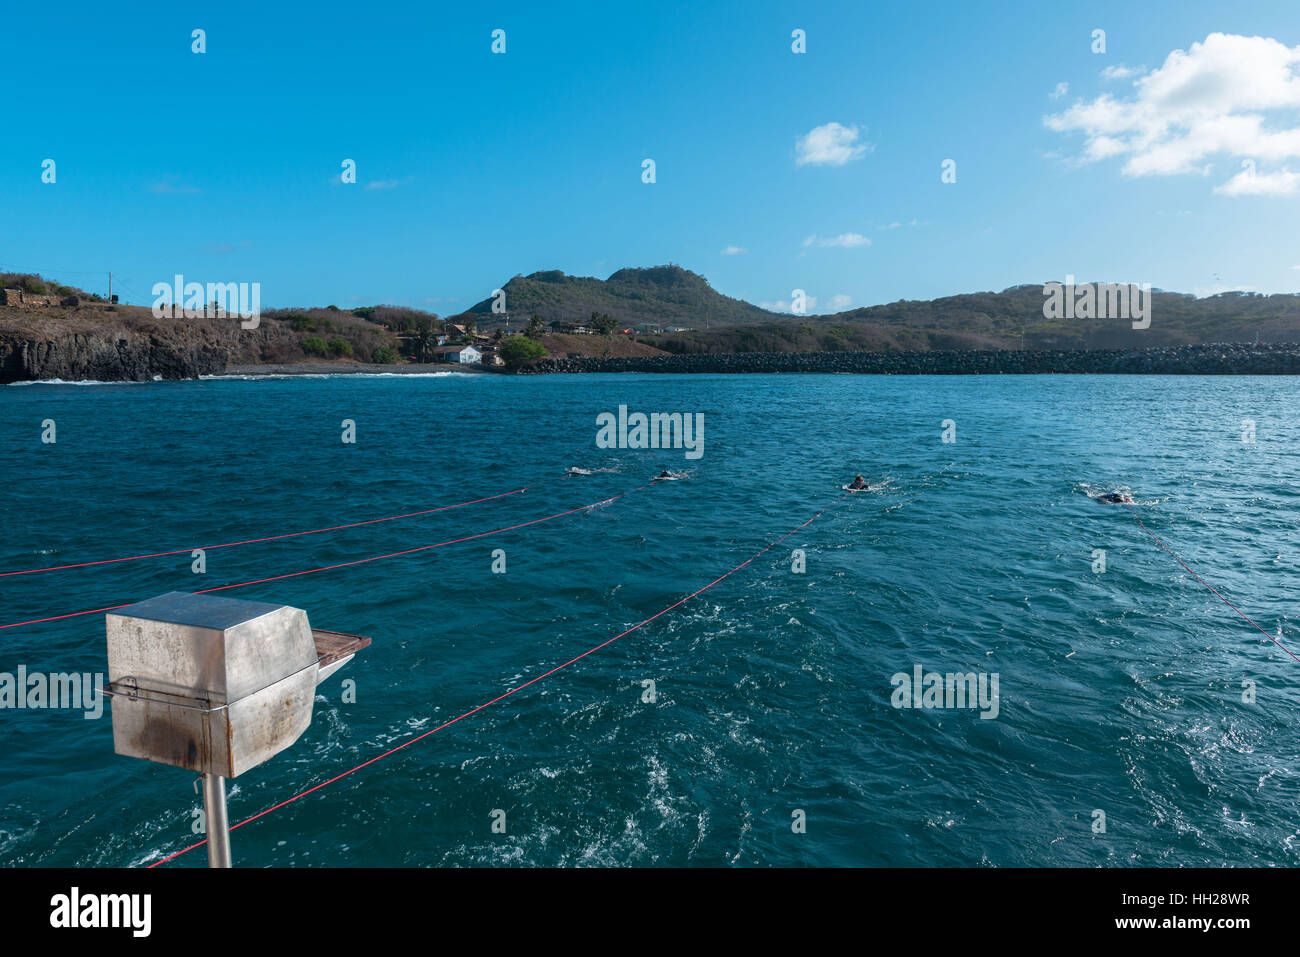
x: 82, y: 339
x: 125, y: 356
x: 1210, y: 359
x: 127, y: 343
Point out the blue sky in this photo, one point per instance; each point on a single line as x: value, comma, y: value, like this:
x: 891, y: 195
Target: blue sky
x: 474, y: 166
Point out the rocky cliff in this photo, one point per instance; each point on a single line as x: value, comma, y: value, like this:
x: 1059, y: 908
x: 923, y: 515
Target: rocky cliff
x: 128, y: 343
x: 115, y: 356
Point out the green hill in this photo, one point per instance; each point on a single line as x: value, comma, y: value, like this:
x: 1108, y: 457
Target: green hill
x: 660, y: 295
x: 670, y: 296
x: 1011, y: 319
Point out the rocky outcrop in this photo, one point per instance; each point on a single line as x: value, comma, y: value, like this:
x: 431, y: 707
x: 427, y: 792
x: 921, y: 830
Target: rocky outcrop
x: 127, y: 343
x: 1220, y: 359
x: 111, y: 357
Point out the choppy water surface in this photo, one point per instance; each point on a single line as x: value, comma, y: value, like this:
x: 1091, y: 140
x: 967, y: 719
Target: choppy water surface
x: 1119, y: 691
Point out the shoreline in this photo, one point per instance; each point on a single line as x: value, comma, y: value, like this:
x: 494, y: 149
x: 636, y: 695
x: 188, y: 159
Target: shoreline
x: 1208, y: 359
x: 350, y: 368
x: 1229, y: 358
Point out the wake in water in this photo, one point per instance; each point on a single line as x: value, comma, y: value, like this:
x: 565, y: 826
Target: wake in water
x: 1132, y: 706
x: 1115, y: 495
x: 870, y: 486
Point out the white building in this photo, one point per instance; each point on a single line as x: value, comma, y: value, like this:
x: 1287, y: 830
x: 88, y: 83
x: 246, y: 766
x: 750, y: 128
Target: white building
x: 465, y: 355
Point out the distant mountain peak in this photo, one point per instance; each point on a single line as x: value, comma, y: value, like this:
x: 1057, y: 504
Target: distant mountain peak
x: 670, y: 275
x: 667, y: 295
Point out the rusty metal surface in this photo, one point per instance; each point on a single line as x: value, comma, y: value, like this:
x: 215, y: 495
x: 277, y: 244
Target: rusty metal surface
x: 220, y: 685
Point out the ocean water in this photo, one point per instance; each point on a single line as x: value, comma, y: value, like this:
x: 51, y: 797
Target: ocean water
x: 1119, y: 691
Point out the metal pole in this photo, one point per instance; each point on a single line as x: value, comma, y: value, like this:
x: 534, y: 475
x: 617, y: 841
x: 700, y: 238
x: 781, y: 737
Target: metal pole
x: 218, y: 827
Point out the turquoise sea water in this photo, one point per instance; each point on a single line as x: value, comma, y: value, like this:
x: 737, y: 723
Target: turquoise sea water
x: 1120, y: 691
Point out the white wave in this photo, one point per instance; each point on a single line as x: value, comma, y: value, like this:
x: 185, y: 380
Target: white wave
x: 75, y: 382
x: 333, y: 375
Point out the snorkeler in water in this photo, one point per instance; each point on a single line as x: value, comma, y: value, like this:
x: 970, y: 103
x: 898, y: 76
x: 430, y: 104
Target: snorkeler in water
x: 1116, y: 498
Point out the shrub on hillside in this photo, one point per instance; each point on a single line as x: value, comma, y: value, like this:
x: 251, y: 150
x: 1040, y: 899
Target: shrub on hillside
x: 315, y: 346
x: 519, y: 349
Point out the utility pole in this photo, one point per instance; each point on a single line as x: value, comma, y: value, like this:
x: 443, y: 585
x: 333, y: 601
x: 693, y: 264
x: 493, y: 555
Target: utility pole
x: 110, y: 286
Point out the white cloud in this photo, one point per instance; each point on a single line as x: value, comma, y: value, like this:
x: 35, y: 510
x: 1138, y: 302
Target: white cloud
x: 848, y: 240
x: 1232, y: 96
x: 897, y: 225
x: 1249, y: 183
x: 783, y: 305
x: 830, y: 145
x: 734, y: 250
x: 1120, y: 72
x: 839, y: 302
x: 1062, y: 88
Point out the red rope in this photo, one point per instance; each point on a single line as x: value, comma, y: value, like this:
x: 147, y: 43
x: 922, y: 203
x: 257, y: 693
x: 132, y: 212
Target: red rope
x: 325, y: 568
x: 269, y: 538
x: 502, y: 697
x: 1212, y: 589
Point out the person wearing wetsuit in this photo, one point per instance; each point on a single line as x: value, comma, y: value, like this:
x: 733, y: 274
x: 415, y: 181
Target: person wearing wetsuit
x: 1115, y: 498
x: 859, y: 483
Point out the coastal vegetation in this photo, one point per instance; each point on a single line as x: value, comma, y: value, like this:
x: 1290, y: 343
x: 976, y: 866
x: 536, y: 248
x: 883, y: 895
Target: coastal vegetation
x: 1010, y: 319
x: 37, y: 286
x: 49, y: 329
x: 516, y: 350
